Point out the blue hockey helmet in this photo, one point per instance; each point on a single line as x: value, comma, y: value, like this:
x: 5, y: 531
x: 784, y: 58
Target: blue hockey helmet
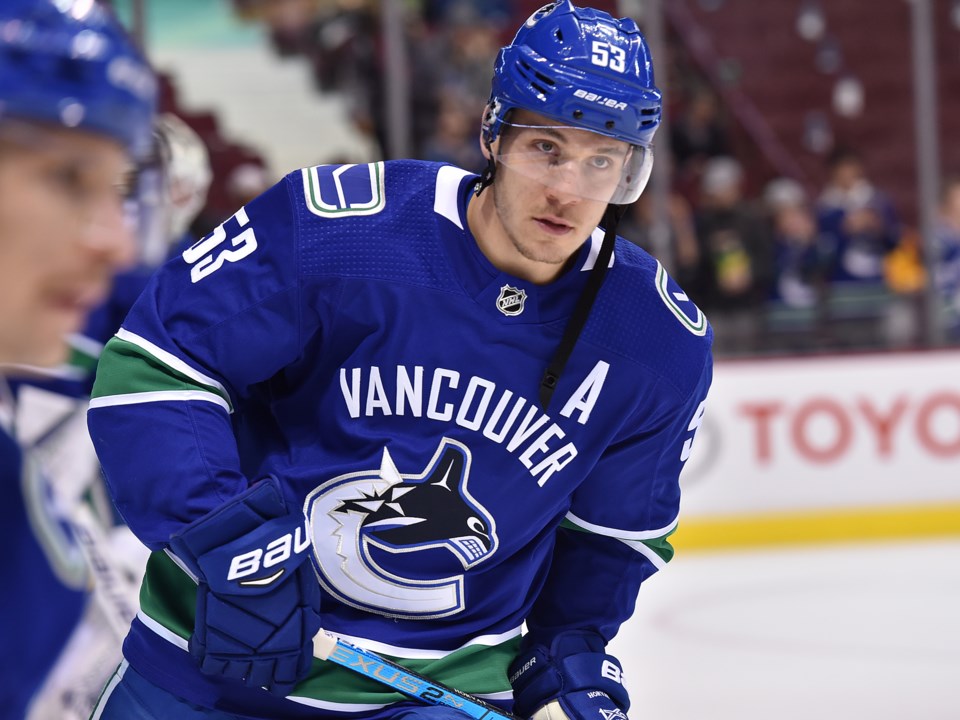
x: 583, y: 69
x: 70, y: 63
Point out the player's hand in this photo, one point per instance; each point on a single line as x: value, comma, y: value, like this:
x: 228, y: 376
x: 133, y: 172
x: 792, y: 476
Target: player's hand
x: 258, y: 600
x: 571, y: 679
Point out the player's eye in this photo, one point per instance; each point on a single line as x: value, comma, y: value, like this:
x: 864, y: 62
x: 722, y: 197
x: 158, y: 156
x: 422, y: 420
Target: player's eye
x: 69, y: 178
x: 601, y: 162
x: 546, y: 147
x: 82, y: 183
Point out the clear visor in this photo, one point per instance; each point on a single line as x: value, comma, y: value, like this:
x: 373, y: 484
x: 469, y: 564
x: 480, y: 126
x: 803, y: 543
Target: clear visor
x: 147, y: 209
x: 576, y: 162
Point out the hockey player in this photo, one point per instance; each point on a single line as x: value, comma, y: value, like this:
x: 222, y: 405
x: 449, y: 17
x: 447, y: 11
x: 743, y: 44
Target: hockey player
x: 166, y: 192
x: 76, y: 103
x: 417, y: 408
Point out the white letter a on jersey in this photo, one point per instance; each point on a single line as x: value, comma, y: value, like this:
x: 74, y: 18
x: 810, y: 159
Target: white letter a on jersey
x: 585, y: 396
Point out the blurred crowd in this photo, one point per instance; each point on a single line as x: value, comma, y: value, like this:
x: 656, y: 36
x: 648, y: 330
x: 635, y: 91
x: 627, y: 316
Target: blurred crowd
x: 778, y: 266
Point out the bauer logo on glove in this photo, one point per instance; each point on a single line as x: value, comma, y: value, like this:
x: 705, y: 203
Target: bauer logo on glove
x: 277, y: 552
x: 277, y: 548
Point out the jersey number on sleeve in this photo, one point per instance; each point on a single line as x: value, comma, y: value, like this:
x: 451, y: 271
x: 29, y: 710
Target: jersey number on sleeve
x: 202, y: 254
x: 693, y: 426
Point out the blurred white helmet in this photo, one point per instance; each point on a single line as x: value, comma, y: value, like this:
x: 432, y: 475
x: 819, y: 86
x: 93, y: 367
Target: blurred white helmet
x: 188, y: 171
x: 172, y: 187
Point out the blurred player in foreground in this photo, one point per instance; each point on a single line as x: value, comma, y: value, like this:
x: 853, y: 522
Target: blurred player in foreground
x: 166, y: 192
x: 418, y: 408
x: 76, y: 103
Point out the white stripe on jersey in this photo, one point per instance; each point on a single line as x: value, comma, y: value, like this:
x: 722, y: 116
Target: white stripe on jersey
x: 159, y: 396
x: 422, y: 653
x: 622, y: 534
x: 658, y: 562
x: 446, y: 198
x: 108, y: 690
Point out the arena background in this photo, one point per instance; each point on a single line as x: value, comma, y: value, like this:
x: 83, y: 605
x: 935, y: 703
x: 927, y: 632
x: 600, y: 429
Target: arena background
x: 818, y: 566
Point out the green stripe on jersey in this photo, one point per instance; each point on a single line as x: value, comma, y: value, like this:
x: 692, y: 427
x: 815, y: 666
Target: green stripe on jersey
x: 169, y: 597
x: 83, y: 360
x: 659, y: 545
x: 127, y: 369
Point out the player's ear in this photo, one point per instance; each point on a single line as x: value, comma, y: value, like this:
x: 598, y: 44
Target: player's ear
x: 484, y: 148
x: 485, y: 119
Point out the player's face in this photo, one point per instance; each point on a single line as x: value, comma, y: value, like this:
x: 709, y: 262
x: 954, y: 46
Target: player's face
x: 62, y: 236
x: 550, y: 192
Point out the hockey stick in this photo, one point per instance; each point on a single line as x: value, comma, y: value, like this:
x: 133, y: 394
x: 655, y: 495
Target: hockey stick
x: 371, y: 665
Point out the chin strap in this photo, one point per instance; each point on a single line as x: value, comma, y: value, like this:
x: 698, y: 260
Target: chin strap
x: 486, y: 177
x: 578, y: 319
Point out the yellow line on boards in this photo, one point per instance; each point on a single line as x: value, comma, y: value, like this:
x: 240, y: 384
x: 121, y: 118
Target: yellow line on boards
x: 816, y: 526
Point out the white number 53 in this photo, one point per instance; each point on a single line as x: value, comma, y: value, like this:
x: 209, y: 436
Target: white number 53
x: 608, y: 55
x: 202, y: 254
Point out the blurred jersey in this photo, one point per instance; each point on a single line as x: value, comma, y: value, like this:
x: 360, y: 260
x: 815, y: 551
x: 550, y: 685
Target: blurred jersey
x: 45, y: 570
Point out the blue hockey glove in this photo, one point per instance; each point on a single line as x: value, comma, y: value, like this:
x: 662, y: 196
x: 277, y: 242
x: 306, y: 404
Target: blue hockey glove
x: 258, y: 600
x: 571, y: 678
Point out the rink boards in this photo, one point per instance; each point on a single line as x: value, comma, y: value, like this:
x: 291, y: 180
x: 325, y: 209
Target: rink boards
x: 828, y: 448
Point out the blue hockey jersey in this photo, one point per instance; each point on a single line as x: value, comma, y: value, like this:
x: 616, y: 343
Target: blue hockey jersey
x: 344, y: 333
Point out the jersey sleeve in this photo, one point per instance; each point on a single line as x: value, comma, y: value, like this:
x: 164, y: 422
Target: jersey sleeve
x: 616, y: 533
x: 209, y: 326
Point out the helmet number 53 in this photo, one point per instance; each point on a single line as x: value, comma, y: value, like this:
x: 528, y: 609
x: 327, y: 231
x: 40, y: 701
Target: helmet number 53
x: 607, y: 55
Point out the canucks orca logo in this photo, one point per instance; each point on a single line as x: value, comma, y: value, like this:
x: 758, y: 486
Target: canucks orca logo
x: 541, y: 14
x: 398, y: 544
x: 677, y: 302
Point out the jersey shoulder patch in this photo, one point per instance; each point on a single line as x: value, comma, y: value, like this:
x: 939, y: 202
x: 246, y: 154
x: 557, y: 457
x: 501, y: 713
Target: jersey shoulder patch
x: 643, y: 314
x: 375, y: 221
x: 344, y: 190
x: 678, y: 302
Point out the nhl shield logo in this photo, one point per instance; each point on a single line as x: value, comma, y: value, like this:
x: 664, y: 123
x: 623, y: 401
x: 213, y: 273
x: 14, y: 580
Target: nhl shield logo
x: 511, y: 300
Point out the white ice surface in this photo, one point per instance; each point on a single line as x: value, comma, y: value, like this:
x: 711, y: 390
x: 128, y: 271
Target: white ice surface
x: 858, y: 632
